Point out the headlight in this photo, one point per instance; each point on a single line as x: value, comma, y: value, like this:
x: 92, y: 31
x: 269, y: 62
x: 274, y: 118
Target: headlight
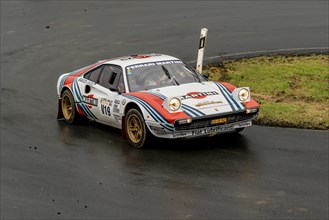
x: 174, y: 104
x: 243, y: 95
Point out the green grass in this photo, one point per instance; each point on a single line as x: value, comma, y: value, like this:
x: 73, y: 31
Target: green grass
x: 293, y: 90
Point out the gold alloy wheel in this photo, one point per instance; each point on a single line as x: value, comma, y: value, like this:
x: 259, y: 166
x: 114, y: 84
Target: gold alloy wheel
x: 134, y: 128
x: 67, y: 107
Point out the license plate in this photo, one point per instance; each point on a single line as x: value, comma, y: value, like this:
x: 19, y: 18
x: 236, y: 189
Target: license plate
x: 219, y: 120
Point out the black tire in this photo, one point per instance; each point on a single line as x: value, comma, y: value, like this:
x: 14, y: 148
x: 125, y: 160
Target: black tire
x: 71, y: 116
x: 238, y: 130
x: 137, y: 133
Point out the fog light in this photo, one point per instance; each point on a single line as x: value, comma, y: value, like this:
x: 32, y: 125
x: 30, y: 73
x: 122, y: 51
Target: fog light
x: 251, y: 110
x: 184, y: 121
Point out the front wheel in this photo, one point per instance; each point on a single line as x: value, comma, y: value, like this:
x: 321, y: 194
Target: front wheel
x: 136, y: 130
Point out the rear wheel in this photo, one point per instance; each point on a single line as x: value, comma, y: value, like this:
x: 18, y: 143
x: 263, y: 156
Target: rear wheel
x: 136, y: 129
x: 70, y: 113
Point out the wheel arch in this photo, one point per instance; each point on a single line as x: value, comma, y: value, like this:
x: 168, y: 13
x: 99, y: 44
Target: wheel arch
x: 63, y: 90
x: 60, y: 111
x: 130, y: 105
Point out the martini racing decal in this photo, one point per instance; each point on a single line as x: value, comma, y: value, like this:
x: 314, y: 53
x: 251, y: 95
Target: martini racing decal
x: 198, y: 95
x: 90, y: 100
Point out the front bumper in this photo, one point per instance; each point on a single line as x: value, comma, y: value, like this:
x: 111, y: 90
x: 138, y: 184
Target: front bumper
x: 203, y: 127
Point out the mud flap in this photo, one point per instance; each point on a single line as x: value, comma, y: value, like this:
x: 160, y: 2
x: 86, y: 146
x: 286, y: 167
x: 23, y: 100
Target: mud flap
x: 59, y: 111
x: 123, y: 128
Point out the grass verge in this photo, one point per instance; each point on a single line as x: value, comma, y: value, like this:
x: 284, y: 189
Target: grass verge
x: 293, y: 90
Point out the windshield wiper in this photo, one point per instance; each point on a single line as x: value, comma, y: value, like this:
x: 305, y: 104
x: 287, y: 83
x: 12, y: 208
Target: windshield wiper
x: 196, y: 75
x: 169, y: 75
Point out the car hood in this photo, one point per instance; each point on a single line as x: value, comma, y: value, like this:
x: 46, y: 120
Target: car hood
x: 199, y: 99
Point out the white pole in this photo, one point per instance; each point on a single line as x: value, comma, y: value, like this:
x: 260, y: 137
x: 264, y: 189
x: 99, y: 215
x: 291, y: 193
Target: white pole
x: 202, y: 45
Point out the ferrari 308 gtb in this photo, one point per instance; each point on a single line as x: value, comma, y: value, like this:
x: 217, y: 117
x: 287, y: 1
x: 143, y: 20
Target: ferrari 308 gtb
x: 153, y: 95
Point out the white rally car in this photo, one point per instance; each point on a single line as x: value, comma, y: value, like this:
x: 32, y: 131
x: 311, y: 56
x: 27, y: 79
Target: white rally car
x: 153, y: 95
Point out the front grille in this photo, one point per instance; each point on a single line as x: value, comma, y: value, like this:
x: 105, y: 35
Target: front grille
x: 206, y: 122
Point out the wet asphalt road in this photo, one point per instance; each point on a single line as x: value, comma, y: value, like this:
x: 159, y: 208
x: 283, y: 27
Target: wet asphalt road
x: 50, y: 170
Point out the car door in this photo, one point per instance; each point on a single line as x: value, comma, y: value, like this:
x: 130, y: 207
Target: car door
x: 110, y: 83
x: 104, y: 94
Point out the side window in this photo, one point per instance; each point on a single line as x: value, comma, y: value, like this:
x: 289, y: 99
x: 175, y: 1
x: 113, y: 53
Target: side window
x: 104, y: 79
x: 121, y: 85
x: 111, y: 75
x: 93, y: 75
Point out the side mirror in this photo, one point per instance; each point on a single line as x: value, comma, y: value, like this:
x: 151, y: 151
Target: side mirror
x: 113, y: 88
x: 206, y: 75
x: 117, y: 89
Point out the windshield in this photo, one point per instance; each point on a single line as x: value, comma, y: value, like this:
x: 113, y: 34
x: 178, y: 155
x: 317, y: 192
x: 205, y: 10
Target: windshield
x: 160, y: 74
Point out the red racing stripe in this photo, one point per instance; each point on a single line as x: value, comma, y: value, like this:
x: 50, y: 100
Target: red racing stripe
x: 70, y: 79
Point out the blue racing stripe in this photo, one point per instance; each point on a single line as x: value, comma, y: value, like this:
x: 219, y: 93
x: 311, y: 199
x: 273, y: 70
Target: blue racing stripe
x: 188, y: 112
x: 158, y: 95
x: 191, y: 109
x: 62, y: 82
x: 156, y: 115
x: 78, y: 95
x: 240, y: 106
x: 228, y: 97
x: 238, y: 103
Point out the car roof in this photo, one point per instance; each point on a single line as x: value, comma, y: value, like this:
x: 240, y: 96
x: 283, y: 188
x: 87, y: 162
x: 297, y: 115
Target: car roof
x: 139, y: 58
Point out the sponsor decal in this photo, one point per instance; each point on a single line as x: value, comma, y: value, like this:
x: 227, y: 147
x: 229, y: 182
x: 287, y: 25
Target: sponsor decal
x: 198, y: 95
x: 243, y: 124
x: 179, y: 134
x: 200, y: 104
x: 90, y: 100
x: 157, y: 129
x: 212, y: 130
x: 141, y: 65
x: 123, y: 102
x: 116, y: 106
x: 117, y: 117
x: 105, y: 101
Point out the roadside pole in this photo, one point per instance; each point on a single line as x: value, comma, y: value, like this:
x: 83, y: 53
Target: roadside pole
x: 202, y: 44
